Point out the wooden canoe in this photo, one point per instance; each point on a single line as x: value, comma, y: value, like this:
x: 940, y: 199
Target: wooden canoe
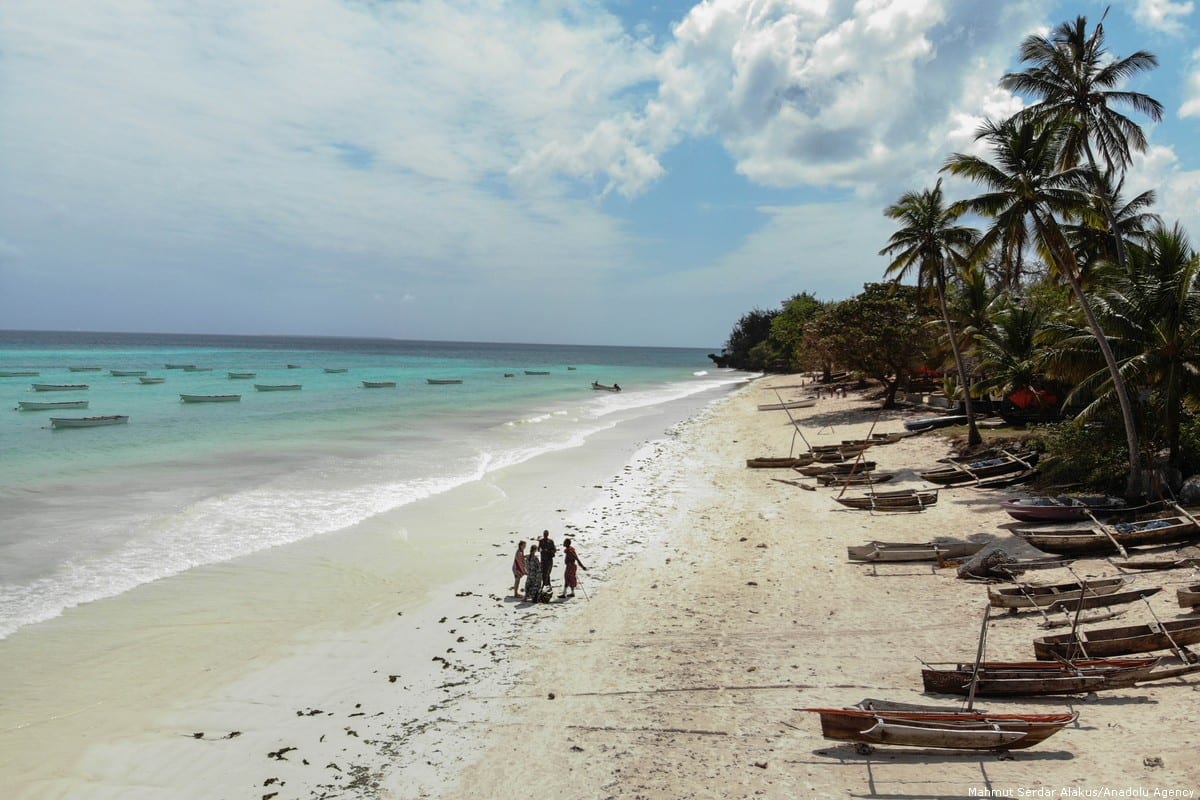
x: 1061, y: 509
x: 379, y: 384
x: 956, y: 472
x: 19, y: 373
x: 127, y: 373
x: 210, y: 398
x: 894, y: 552
x: 335, y: 370
x: 60, y: 387
x: 88, y: 422
x: 442, y: 381
x: 953, y: 730
x: 1127, y: 640
x: 855, y: 479
x: 1031, y: 595
x: 1188, y: 596
x: 1085, y: 601
x: 1074, y: 540
x: 806, y: 402
x: 886, y: 501
x: 277, y: 387
x: 780, y: 462
x: 151, y: 381
x: 1030, y: 678
x: 841, y: 468
x: 241, y: 376
x: 33, y: 405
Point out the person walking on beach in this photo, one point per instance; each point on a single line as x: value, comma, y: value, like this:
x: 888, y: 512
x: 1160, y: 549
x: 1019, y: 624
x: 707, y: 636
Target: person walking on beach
x: 518, y: 568
x: 533, y: 576
x: 547, y: 548
x: 570, y: 574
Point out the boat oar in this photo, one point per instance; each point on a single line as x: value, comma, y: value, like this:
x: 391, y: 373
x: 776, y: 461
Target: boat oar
x: 1104, y: 529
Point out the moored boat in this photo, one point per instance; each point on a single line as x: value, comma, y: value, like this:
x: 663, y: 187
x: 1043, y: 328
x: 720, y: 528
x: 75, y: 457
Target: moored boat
x: 237, y: 376
x: 442, y: 381
x: 537, y: 372
x: 1126, y: 640
x: 379, y: 384
x: 19, y: 373
x: 194, y: 368
x: 147, y: 380
x: 335, y: 370
x: 277, y: 387
x: 88, y: 422
x: 178, y: 366
x: 127, y: 373
x: 34, y: 405
x: 210, y: 398
x: 84, y: 368
x: 60, y: 387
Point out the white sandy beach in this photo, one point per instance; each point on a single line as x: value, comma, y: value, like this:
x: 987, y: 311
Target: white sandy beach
x: 718, y: 604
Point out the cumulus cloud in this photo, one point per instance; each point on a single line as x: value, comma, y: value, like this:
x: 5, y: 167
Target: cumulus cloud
x: 1191, y: 92
x: 1162, y: 15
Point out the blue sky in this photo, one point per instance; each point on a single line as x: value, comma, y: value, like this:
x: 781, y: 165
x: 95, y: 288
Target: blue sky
x: 576, y: 171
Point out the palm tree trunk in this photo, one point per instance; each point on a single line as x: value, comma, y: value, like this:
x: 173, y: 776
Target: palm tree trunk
x: 1067, y: 266
x: 973, y: 437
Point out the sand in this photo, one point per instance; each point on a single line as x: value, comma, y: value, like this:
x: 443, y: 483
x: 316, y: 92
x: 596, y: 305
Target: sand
x: 719, y: 602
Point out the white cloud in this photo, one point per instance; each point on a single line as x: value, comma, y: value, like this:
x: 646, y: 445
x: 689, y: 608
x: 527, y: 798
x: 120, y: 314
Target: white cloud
x: 1162, y: 15
x: 1191, y: 93
x: 1177, y: 190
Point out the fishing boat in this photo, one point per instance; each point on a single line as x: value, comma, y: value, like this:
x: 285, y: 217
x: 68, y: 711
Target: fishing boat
x: 944, y: 729
x: 60, y: 387
x: 210, y: 398
x: 241, y: 376
x: 146, y: 380
x: 334, y: 370
x: 84, y: 369
x: 293, y: 366
x: 600, y: 387
x: 1105, y: 642
x: 836, y: 468
x: 1141, y: 564
x: 194, y: 368
x: 1028, y: 595
x: 510, y: 375
x: 894, y: 552
x: 442, y: 381
x: 855, y: 478
x: 277, y: 387
x: 87, y: 422
x: 179, y: 366
x: 957, y: 472
x: 127, y: 373
x: 1030, y: 678
x: 780, y: 462
x: 1075, y: 540
x: 1006, y: 480
x: 901, y: 499
x: 379, y: 384
x: 19, y: 373
x: 804, y: 402
x: 930, y: 423
x: 34, y: 405
x: 1188, y: 596
x: 1061, y: 509
x: 537, y: 372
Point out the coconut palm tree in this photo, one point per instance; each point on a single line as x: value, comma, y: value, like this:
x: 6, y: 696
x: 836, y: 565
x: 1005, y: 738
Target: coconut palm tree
x: 1007, y: 349
x: 1029, y: 196
x: 1075, y: 81
x: 931, y: 242
x: 1092, y: 238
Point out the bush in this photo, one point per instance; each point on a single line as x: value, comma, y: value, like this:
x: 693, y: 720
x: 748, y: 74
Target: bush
x: 1092, y: 456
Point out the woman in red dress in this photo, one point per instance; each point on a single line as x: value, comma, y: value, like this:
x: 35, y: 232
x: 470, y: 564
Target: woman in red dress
x: 518, y: 568
x: 570, y: 575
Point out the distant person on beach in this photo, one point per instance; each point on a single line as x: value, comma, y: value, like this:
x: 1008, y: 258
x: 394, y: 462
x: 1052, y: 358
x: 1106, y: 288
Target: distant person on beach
x: 570, y: 574
x: 547, y: 548
x: 518, y: 568
x: 533, y: 576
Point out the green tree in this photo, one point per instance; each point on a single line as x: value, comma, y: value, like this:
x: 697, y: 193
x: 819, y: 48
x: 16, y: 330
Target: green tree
x: 751, y: 330
x: 931, y: 242
x: 787, y: 329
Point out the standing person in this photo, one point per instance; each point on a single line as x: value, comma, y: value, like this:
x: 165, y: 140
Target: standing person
x: 547, y: 548
x: 570, y: 574
x: 518, y: 568
x: 533, y: 576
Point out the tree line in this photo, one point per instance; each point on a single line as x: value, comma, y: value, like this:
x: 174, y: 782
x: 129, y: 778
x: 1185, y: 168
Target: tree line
x: 1064, y: 290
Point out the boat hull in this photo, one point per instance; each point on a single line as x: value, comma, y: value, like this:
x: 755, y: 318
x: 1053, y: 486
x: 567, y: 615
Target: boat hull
x: 60, y: 387
x: 87, y: 422
x: 210, y: 398
x: 1030, y: 596
x: 1118, y: 641
x: 277, y: 387
x: 943, y: 730
x: 1079, y: 540
x: 917, y: 551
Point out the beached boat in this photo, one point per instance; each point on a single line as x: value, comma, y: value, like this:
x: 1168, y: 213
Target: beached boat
x: 930, y: 423
x: 84, y: 369
x: 241, y: 376
x: 1076, y: 540
x: 1028, y: 595
x: 277, y: 387
x: 1003, y: 481
x: 34, y: 405
x: 804, y: 402
x: 855, y: 479
x: 194, y: 368
x: 178, y: 366
x: 210, y: 398
x: 1188, y: 596
x: 146, y: 380
x: 1105, y: 642
x: 127, y: 373
x: 1031, y: 678
x: 952, y: 730
x: 600, y: 387
x: 881, y: 552
x: 442, y: 381
x: 60, y: 387
x: 836, y: 468
x: 335, y: 370
x: 780, y: 462
x: 537, y: 372
x: 1061, y: 509
x: 87, y: 422
x: 1172, y: 562
x: 901, y: 499
x: 19, y: 373
x: 379, y: 384
x: 957, y: 472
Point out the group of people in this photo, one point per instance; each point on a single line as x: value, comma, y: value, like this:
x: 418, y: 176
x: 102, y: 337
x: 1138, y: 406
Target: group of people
x: 536, y: 564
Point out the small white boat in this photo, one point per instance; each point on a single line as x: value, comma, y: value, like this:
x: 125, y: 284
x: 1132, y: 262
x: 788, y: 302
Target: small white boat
x: 805, y: 402
x: 236, y: 376
x: 127, y: 373
x: 442, y: 381
x: 194, y: 368
x: 33, y: 405
x: 84, y: 369
x: 151, y: 380
x: 19, y: 373
x: 60, y: 387
x: 88, y: 422
x: 335, y: 370
x: 379, y: 384
x: 210, y: 398
x: 277, y: 387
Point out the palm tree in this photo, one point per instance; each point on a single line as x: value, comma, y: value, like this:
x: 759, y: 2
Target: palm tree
x: 1008, y: 351
x: 1074, y: 77
x: 1028, y: 193
x: 1092, y: 238
x: 931, y: 242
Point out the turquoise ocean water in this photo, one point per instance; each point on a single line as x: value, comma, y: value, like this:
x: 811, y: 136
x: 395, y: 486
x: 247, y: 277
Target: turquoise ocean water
x: 90, y: 513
